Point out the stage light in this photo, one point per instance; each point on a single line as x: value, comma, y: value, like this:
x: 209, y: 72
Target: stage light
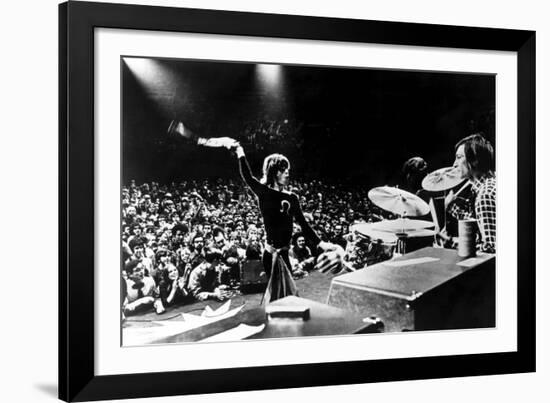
x: 269, y: 74
x: 156, y: 80
x: 147, y: 71
x: 272, y: 90
x: 154, y: 77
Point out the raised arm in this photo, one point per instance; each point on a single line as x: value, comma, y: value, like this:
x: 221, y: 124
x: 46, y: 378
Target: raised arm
x: 246, y: 172
x: 177, y: 128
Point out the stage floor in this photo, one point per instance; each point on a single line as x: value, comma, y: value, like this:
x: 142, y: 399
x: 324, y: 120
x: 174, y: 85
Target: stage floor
x: 314, y: 287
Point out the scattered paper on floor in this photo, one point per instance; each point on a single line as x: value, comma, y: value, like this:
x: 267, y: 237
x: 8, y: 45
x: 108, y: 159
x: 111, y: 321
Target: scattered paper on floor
x: 134, y: 336
x: 209, y: 312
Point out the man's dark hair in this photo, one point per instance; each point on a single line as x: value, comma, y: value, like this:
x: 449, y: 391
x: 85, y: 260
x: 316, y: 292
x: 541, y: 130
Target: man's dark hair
x: 131, y: 265
x: 211, y: 254
x: 415, y: 164
x: 184, y: 229
x: 198, y: 235
x: 479, y: 154
x: 136, y: 242
x: 217, y: 231
x: 414, y: 170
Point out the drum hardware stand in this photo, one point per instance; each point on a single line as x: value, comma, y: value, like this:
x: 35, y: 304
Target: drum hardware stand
x: 400, y: 247
x: 445, y: 194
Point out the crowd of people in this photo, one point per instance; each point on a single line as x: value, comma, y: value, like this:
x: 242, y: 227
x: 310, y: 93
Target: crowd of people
x: 187, y: 241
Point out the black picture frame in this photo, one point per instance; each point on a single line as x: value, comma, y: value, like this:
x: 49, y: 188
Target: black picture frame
x: 77, y: 21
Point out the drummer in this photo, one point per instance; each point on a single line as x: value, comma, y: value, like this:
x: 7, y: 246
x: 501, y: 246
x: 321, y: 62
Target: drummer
x: 474, y: 159
x: 413, y: 171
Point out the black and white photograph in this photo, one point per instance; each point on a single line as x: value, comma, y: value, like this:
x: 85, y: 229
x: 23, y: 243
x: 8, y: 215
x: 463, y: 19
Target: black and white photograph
x: 268, y: 201
x: 263, y: 200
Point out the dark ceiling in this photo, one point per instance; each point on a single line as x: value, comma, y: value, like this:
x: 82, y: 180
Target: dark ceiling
x: 355, y: 123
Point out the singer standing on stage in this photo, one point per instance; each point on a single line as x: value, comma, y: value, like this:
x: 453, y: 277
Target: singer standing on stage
x: 279, y: 209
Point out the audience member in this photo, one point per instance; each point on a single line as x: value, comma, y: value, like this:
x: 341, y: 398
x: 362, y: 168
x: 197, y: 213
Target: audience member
x: 204, y: 280
x: 300, y: 255
x: 140, y: 289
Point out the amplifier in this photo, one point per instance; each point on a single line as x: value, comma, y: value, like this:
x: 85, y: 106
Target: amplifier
x: 253, y: 277
x: 428, y: 289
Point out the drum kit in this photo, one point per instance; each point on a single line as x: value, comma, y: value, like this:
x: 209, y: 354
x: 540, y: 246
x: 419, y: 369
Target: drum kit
x: 406, y: 232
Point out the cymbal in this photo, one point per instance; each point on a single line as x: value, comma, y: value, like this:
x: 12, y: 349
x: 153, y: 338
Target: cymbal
x: 366, y: 230
x: 402, y: 225
x: 398, y: 201
x: 442, y: 179
x: 369, y: 231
